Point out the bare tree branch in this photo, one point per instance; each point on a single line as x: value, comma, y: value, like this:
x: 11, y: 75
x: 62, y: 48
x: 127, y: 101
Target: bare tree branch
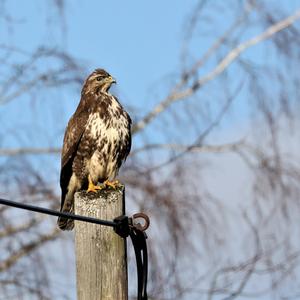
x: 23, y: 151
x: 176, y: 95
x: 9, y: 231
x: 194, y: 148
x: 220, y: 41
x: 26, y: 249
x: 183, y: 200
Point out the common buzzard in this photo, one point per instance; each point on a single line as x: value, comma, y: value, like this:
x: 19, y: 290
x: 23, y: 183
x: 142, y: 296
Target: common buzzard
x: 96, y: 142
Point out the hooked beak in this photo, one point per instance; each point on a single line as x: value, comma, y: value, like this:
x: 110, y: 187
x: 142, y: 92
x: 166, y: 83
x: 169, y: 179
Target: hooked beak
x: 112, y: 80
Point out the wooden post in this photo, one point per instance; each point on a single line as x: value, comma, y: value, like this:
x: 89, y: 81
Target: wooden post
x: 101, y: 262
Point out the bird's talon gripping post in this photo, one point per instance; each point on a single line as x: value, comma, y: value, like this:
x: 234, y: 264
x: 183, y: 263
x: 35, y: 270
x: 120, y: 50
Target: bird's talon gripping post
x: 113, y: 184
x: 93, y: 188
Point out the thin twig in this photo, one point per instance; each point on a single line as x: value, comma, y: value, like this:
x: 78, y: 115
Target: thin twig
x: 176, y: 95
x: 23, y: 151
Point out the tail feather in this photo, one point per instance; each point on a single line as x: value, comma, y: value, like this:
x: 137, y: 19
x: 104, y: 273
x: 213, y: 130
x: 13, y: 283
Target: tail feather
x: 68, y: 207
x: 65, y: 223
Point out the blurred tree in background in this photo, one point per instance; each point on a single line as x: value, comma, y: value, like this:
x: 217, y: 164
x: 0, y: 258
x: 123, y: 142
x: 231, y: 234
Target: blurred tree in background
x: 215, y: 162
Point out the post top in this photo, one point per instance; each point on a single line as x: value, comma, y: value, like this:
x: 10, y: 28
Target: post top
x: 101, y: 197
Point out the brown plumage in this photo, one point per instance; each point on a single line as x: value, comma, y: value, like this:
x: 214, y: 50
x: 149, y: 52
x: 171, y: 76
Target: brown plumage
x: 96, y: 142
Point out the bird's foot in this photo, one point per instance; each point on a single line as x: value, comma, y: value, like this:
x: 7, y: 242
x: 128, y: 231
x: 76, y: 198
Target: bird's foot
x: 113, y: 184
x: 94, y: 188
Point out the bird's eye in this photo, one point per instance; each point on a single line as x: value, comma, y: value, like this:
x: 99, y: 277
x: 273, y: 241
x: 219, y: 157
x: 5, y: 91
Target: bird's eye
x: 99, y: 78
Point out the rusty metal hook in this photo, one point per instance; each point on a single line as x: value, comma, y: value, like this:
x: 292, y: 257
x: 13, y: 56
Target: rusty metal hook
x: 138, y: 225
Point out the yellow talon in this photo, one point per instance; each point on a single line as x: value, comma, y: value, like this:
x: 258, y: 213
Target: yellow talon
x: 93, y: 188
x: 112, y: 184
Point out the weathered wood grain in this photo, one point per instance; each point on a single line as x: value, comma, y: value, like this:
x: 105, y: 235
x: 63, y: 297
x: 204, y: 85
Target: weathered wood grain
x: 101, y: 262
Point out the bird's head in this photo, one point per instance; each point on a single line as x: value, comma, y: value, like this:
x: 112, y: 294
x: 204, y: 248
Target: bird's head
x: 98, y: 81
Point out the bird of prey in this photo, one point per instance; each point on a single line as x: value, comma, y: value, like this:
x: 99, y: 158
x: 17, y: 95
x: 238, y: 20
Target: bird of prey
x: 96, y: 142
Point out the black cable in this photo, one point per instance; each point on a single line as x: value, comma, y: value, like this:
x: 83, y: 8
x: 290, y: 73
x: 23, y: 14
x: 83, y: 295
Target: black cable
x: 145, y: 265
x: 123, y: 226
x: 52, y: 212
x: 138, y: 238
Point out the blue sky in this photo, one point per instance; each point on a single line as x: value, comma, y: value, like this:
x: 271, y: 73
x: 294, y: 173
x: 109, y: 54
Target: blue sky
x: 138, y: 42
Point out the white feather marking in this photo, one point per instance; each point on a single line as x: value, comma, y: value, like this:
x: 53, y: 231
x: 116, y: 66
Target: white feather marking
x: 114, y: 134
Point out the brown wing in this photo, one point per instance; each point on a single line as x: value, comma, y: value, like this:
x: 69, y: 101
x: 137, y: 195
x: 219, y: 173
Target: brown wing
x: 73, y: 134
x: 126, y: 146
x: 128, y: 139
